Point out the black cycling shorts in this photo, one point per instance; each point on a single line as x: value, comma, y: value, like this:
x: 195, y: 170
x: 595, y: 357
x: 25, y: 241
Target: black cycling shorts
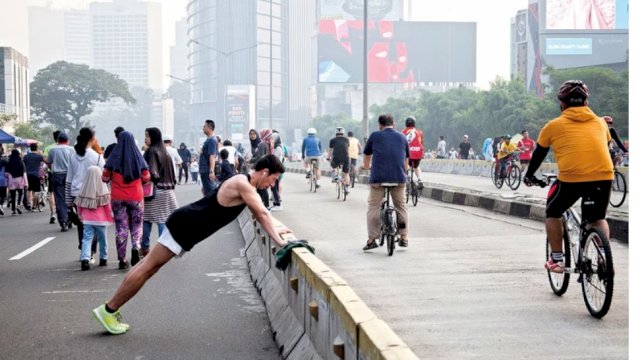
x: 345, y: 164
x: 594, y: 194
x: 414, y: 163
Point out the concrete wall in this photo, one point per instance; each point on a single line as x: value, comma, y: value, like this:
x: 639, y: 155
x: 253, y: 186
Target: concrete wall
x: 314, y: 313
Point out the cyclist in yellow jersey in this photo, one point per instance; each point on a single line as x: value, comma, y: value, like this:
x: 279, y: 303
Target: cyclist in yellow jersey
x: 507, y: 148
x: 580, y: 142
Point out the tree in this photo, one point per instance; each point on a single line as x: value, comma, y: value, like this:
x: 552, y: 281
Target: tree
x: 5, y: 118
x: 326, y: 126
x: 63, y: 93
x: 28, y: 130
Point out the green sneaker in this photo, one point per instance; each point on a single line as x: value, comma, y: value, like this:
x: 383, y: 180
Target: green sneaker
x: 110, y: 322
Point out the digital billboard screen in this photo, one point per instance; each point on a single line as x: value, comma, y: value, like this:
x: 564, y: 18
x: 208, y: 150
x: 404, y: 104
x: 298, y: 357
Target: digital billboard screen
x: 397, y: 51
x: 587, y: 14
x: 354, y: 9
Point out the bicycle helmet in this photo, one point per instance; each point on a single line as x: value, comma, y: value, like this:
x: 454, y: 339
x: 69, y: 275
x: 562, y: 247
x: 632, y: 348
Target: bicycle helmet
x: 311, y: 131
x: 608, y: 119
x: 507, y: 136
x: 573, y: 92
x: 410, y: 122
x: 339, y: 130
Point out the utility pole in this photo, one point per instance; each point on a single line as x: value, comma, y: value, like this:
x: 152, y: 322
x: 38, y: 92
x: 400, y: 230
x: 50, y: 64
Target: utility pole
x: 365, y: 81
x: 271, y: 64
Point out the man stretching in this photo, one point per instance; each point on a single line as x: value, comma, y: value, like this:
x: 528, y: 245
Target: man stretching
x: 193, y: 223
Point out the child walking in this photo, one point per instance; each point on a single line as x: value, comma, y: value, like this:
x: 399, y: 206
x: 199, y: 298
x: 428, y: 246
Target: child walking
x: 94, y: 210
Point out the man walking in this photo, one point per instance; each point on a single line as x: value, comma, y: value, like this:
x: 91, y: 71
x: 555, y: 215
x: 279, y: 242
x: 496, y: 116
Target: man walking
x: 442, y: 149
x: 464, y: 148
x: 173, y: 153
x: 58, y: 160
x: 32, y: 162
x: 208, y: 158
x: 185, y: 155
x: 389, y: 151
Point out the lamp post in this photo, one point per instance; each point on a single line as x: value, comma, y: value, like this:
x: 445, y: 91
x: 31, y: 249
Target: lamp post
x: 226, y: 55
x: 365, y: 79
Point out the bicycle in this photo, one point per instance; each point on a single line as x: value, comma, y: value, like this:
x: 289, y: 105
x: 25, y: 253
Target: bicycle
x: 352, y: 174
x: 313, y: 182
x: 618, y: 186
x: 592, y: 259
x: 388, y: 220
x: 41, y: 198
x: 412, y: 189
x: 513, y: 173
x: 341, y: 187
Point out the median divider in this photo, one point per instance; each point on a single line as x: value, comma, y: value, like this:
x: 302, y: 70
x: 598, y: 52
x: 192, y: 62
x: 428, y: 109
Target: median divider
x: 314, y: 313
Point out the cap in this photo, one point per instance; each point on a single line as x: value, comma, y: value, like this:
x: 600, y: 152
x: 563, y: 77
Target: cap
x: 167, y: 138
x: 466, y: 136
x: 63, y: 136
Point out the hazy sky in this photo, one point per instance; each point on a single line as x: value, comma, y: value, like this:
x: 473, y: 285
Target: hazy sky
x: 492, y: 17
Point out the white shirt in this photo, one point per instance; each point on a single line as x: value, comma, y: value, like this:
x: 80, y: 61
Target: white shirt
x: 232, y: 154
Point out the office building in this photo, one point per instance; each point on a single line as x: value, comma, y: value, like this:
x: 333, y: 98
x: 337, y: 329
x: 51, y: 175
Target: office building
x: 14, y: 84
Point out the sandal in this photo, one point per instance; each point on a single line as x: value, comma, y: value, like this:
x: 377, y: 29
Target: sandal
x: 370, y: 245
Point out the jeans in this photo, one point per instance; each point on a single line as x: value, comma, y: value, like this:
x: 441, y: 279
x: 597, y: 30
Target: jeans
x: 208, y: 185
x: 184, y: 167
x: 58, y: 183
x: 275, y: 190
x: 194, y: 177
x: 264, y: 195
x: 146, y: 233
x: 88, y: 233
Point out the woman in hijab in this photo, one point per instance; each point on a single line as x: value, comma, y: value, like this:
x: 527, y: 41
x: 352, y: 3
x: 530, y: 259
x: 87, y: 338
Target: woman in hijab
x: 255, y: 140
x: 157, y: 208
x: 16, y: 179
x: 127, y: 170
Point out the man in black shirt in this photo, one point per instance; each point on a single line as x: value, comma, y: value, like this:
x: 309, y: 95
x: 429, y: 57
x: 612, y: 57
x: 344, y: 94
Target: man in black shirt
x: 32, y: 162
x: 185, y: 155
x: 465, y: 145
x: 112, y: 146
x: 338, y: 153
x: 192, y: 224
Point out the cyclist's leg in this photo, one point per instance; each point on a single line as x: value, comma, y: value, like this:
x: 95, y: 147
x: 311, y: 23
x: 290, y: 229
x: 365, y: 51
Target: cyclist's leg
x: 354, y: 165
x: 345, y: 173
x: 561, y: 196
x: 415, y: 163
x: 376, y: 197
x: 595, y: 201
x: 399, y: 203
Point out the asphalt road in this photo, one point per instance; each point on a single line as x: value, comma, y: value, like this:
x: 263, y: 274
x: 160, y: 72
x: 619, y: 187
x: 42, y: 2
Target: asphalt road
x: 471, y: 284
x: 202, y: 306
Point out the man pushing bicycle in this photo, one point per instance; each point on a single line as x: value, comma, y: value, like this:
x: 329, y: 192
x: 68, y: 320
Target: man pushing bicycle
x: 580, y: 142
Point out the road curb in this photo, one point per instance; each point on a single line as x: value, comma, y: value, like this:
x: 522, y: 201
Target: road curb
x: 314, y: 313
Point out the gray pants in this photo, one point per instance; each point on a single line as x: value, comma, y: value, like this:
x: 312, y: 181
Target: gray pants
x: 58, y: 184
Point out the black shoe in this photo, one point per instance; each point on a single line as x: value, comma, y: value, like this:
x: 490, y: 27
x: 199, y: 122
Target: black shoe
x: 69, y: 225
x: 103, y: 262
x: 403, y: 243
x: 1, y: 211
x: 84, y: 265
x: 370, y: 245
x: 134, y: 257
x: 64, y: 228
x: 123, y: 264
x: 19, y: 211
x: 52, y: 220
x: 14, y: 213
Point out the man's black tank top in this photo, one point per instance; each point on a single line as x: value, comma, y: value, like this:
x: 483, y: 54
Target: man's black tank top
x: 197, y: 221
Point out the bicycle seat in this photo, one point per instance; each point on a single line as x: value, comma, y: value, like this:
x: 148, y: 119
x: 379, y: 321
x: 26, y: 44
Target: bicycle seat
x: 389, y: 185
x: 550, y: 176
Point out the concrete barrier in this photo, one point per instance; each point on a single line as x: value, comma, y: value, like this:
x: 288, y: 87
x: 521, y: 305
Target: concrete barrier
x: 314, y: 313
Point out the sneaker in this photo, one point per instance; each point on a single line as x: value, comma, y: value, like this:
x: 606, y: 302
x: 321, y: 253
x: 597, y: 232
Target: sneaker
x: 556, y: 267
x: 135, y: 257
x: 84, y: 265
x: 1, y: 211
x: 123, y: 264
x: 317, y: 186
x: 403, y: 242
x: 19, y: 211
x: 64, y: 227
x: 93, y: 260
x: 52, y: 220
x: 110, y: 322
x: 355, y: 180
x: 277, y: 208
x: 103, y: 262
x: 13, y: 213
x: 346, y: 190
x: 308, y: 175
x: 420, y: 185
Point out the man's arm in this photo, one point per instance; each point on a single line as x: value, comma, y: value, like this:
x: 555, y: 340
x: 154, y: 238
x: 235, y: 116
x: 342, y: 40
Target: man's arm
x: 255, y: 205
x: 329, y: 152
x: 616, y: 138
x: 367, y: 162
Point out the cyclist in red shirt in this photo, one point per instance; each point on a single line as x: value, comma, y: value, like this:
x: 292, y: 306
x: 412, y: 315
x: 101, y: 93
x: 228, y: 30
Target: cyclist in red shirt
x: 526, y: 146
x: 415, y: 138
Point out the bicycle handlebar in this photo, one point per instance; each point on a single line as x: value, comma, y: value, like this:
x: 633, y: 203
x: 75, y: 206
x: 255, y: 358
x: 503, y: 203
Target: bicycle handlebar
x: 547, y: 179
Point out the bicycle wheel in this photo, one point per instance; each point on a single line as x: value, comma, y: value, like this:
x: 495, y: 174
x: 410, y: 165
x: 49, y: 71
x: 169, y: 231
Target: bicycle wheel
x: 312, y: 179
x: 344, y: 192
x: 497, y: 181
x: 618, y: 190
x: 407, y: 192
x: 560, y: 281
x: 597, y: 273
x: 514, y: 177
x: 414, y: 194
x: 352, y: 177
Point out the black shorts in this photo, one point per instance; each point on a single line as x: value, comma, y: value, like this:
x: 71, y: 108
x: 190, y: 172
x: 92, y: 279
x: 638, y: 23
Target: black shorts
x: 354, y: 163
x: 524, y: 162
x: 414, y: 163
x: 594, y: 194
x: 345, y: 164
x: 34, y: 182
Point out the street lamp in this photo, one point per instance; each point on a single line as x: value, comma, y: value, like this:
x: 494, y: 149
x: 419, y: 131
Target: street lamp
x: 365, y: 81
x: 226, y: 55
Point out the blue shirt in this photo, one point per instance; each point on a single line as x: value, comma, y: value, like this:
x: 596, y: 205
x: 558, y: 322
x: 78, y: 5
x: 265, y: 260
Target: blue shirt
x: 311, y: 146
x: 210, y: 147
x: 389, y: 149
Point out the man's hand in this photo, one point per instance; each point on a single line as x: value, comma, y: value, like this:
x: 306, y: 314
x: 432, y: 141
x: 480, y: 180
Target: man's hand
x: 212, y: 176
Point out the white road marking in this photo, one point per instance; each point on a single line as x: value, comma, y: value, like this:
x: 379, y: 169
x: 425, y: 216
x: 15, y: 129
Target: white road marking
x: 73, y: 291
x: 32, y: 249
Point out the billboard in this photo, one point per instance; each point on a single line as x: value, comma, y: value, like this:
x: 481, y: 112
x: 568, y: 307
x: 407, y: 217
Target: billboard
x: 569, y: 46
x: 587, y: 14
x: 240, y: 112
x: 354, y: 9
x: 397, y: 51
